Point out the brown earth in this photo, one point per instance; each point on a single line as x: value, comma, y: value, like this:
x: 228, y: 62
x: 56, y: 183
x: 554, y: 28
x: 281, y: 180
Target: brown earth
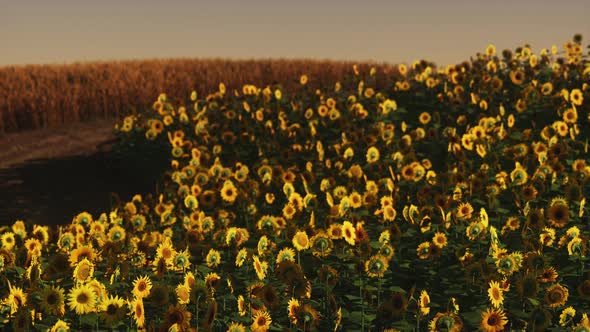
x: 83, y: 138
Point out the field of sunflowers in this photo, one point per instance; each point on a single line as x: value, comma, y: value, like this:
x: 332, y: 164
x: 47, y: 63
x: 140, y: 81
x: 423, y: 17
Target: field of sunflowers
x: 450, y: 200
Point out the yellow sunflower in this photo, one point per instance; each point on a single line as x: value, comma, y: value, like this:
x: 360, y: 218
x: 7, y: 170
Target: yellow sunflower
x: 16, y: 298
x: 439, y: 240
x: 82, y: 299
x: 424, y: 303
x: 142, y: 287
x: 261, y: 321
x: 84, y: 271
x: 137, y: 310
x: 495, y: 294
x: 213, y: 258
x: 301, y: 241
x: 493, y: 320
x: 349, y: 233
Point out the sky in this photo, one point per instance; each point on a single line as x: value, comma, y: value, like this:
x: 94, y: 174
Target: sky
x: 443, y: 31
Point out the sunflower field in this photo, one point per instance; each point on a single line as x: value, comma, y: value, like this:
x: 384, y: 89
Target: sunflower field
x: 447, y: 200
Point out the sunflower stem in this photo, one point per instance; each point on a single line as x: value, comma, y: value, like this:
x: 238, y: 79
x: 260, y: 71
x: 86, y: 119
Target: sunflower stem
x: 362, y: 308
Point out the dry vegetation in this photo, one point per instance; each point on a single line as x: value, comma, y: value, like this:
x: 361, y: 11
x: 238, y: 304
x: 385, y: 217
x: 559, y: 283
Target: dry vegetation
x: 41, y: 96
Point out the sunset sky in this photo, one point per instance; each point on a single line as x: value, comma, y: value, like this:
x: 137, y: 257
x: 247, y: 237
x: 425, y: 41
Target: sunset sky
x: 446, y: 32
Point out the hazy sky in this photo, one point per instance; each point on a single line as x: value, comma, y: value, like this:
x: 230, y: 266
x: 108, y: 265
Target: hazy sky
x: 444, y: 31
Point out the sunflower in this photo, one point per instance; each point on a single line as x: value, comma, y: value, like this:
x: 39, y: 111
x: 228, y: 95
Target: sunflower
x: 349, y: 232
x: 372, y: 155
x: 177, y: 315
x: 52, y: 301
x: 376, y: 266
x: 576, y: 97
x: 567, y: 315
x: 387, y: 250
x: 112, y: 310
x: 464, y: 211
x: 183, y: 292
x: 138, y: 312
x: 261, y: 321
x: 389, y: 213
x: 517, y: 77
x: 229, y: 192
x: 241, y: 257
x: 439, y: 240
x: 80, y: 253
x: 424, y: 303
x: 16, y: 298
x: 60, y: 326
x: 84, y: 271
x: 423, y: 251
x: 301, y: 241
x: 558, y: 214
x: 474, y: 230
x: 82, y: 299
x: 556, y: 295
x: 547, y: 88
x: 493, y: 320
x: 448, y: 321
x: 286, y: 254
x: 321, y: 244
x: 424, y: 118
x: 142, y: 287
x: 307, y: 317
x: 213, y: 258
x: 165, y: 251
x: 181, y: 260
x: 292, y: 309
x: 236, y: 327
x: 260, y: 267
x: 570, y: 116
x: 495, y: 294
x: 548, y: 275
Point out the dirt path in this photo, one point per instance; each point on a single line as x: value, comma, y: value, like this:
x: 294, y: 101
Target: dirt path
x: 71, y: 140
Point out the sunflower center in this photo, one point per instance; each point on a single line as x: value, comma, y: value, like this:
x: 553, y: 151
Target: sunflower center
x: 52, y: 299
x: 141, y: 286
x: 82, y: 298
x: 492, y: 320
x: 111, y: 309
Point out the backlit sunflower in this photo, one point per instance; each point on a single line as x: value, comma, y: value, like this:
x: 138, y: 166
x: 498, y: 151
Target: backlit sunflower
x: 423, y: 251
x: 213, y: 258
x: 376, y: 266
x: 493, y: 320
x: 52, y: 301
x: 556, y: 295
x: 112, y: 310
x: 236, y: 327
x: 82, y: 299
x: 495, y: 294
x: 321, y: 244
x: 372, y: 155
